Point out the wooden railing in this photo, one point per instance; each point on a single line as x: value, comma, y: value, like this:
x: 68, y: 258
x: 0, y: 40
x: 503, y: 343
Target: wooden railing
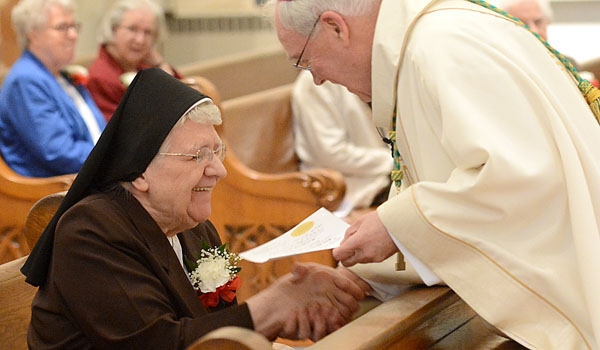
x: 419, y: 318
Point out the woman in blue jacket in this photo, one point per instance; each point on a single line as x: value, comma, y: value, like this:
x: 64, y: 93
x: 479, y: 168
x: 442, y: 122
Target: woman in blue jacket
x: 48, y: 121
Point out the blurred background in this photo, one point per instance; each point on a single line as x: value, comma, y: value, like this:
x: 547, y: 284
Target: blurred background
x: 208, y: 29
x: 198, y: 29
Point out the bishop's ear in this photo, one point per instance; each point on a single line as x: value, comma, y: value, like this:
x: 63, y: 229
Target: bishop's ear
x: 335, y: 23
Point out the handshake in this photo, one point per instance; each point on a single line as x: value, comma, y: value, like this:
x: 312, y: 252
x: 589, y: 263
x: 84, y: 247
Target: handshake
x: 308, y: 303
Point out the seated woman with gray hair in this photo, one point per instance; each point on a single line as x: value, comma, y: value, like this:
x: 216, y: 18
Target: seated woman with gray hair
x: 128, y: 35
x: 112, y: 265
x: 48, y: 119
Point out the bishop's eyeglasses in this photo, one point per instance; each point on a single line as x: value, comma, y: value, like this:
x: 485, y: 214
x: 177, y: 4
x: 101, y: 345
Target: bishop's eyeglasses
x: 298, y: 64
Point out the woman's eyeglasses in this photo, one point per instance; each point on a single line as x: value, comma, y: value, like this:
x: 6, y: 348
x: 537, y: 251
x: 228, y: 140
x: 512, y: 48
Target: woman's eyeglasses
x: 204, y: 154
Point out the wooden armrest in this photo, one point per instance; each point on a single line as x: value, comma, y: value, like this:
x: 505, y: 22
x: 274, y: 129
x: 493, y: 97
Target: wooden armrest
x: 31, y: 188
x: 231, y: 338
x: 39, y: 216
x: 414, y: 319
x: 418, y: 318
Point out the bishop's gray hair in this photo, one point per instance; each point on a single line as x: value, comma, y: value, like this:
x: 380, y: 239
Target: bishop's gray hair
x: 301, y: 15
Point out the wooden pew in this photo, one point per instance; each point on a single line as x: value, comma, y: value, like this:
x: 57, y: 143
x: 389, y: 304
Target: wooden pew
x: 245, y: 73
x: 16, y: 295
x: 15, y: 305
x: 231, y: 338
x: 17, y: 194
x: 418, y: 318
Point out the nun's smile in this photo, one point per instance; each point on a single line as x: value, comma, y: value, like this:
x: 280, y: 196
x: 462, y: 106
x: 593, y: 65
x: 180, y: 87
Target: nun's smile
x: 177, y: 187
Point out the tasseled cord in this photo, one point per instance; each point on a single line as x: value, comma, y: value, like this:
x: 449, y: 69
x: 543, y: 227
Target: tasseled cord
x: 592, y: 96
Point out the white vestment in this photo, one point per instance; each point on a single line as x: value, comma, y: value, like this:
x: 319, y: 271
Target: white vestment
x: 501, y: 160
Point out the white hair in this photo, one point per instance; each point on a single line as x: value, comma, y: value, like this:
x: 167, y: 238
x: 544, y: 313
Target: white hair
x: 33, y: 14
x: 114, y: 17
x: 301, y: 15
x: 203, y: 112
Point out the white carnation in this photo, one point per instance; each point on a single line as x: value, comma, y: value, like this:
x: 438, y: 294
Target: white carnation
x: 211, y: 274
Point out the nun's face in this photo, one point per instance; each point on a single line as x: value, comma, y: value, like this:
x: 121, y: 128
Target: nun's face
x: 177, y: 188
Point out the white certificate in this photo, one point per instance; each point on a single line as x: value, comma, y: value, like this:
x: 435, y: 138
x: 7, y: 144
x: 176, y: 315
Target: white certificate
x: 320, y: 231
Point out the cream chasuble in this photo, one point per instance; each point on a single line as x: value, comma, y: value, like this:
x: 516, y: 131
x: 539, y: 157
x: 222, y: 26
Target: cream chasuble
x: 501, y: 160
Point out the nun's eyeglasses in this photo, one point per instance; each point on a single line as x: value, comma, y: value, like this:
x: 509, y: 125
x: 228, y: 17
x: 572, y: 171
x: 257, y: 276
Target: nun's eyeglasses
x: 204, y: 154
x: 298, y: 64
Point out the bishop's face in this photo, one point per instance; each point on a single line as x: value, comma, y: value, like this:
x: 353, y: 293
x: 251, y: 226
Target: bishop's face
x: 331, y: 56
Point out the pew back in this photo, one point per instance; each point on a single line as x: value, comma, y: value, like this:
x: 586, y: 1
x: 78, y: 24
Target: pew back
x: 245, y: 73
x: 258, y: 127
x: 17, y: 194
x: 15, y: 305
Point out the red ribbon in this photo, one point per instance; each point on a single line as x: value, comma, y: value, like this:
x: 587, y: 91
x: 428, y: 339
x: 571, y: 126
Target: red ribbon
x: 225, y: 292
x: 79, y: 79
